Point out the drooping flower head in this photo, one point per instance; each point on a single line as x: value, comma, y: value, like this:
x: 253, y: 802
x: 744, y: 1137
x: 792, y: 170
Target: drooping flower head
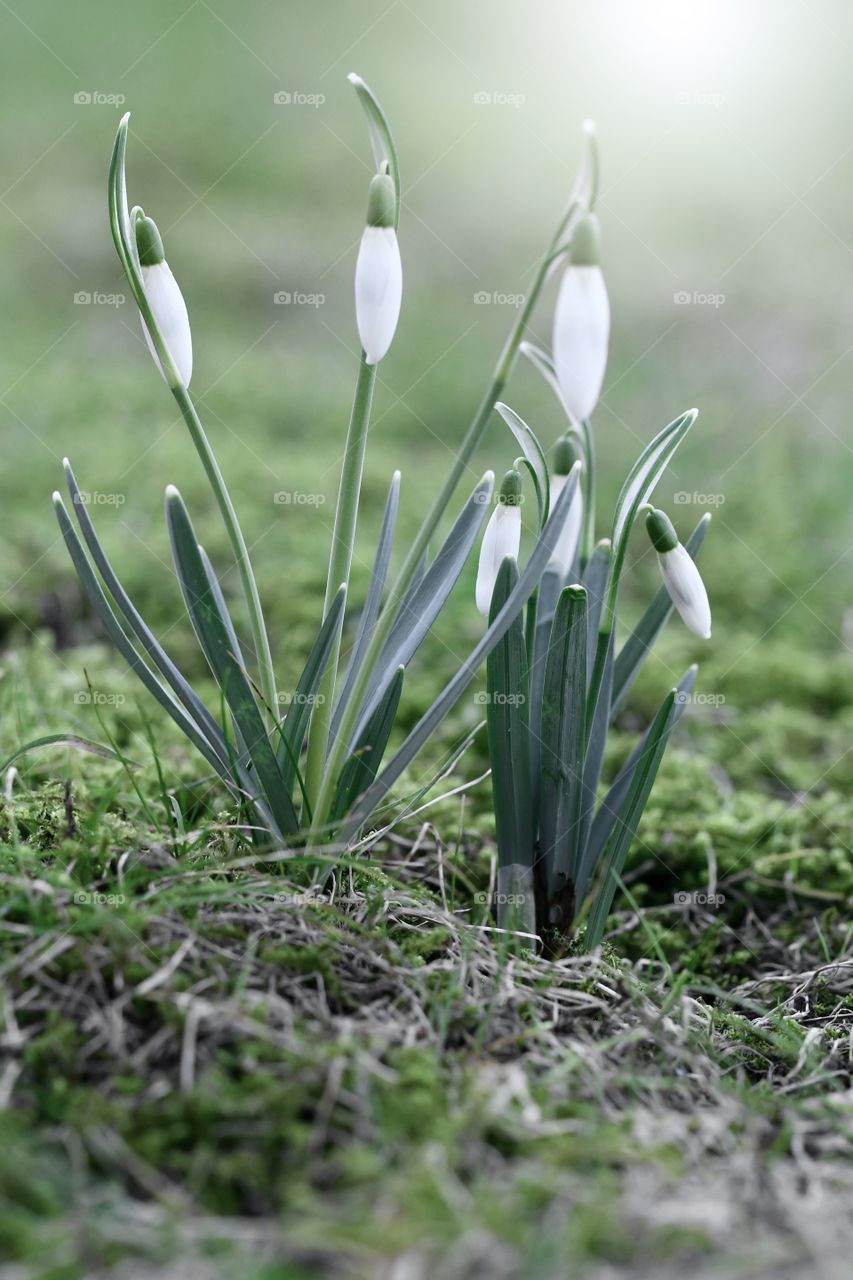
x: 680, y: 575
x: 378, y: 272
x: 566, y: 546
x: 501, y: 539
x: 582, y: 323
x: 164, y: 298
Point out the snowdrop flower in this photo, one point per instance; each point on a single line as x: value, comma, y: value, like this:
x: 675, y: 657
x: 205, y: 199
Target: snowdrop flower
x: 680, y: 575
x: 582, y: 323
x: 501, y: 539
x: 378, y: 272
x: 566, y: 547
x: 165, y: 300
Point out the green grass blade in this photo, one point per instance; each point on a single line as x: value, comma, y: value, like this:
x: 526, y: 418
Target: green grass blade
x: 563, y: 750
x: 215, y: 639
x: 74, y: 740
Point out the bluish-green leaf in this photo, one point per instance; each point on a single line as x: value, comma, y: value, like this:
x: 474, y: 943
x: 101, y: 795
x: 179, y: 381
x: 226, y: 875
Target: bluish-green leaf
x: 362, y: 766
x: 213, y: 634
x: 561, y: 788
x: 534, y: 455
x: 302, y: 703
x: 622, y: 836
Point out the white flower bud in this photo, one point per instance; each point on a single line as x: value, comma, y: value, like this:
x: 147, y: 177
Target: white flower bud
x: 501, y: 539
x: 378, y: 273
x: 582, y: 325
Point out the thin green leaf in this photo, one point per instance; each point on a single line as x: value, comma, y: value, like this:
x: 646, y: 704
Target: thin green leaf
x: 381, y: 138
x: 563, y: 750
x: 622, y: 836
x: 533, y: 452
x: 137, y: 625
x: 373, y: 600
x: 116, y: 633
x: 541, y: 620
x: 422, y: 607
x: 362, y: 766
x: 295, y: 725
x: 453, y: 690
x: 73, y: 740
x: 507, y: 726
x: 215, y: 639
x: 595, y: 581
x: 609, y: 810
x: 636, y: 648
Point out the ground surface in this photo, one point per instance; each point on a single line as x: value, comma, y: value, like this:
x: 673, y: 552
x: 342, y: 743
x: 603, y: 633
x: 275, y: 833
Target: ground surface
x: 204, y: 1075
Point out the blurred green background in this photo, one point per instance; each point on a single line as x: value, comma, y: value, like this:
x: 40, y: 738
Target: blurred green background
x: 725, y: 207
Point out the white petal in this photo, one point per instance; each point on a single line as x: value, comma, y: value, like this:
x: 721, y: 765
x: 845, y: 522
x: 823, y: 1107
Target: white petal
x: 581, y: 334
x: 569, y: 537
x: 378, y: 290
x: 501, y: 539
x: 170, y: 313
x: 686, y: 589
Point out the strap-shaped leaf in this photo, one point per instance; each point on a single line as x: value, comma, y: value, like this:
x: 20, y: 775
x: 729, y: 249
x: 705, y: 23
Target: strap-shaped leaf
x: 563, y: 750
x: 453, y: 690
x: 595, y: 581
x: 622, y: 836
x: 609, y: 810
x: 213, y: 634
x: 636, y: 648
x: 422, y: 607
x: 637, y: 490
x: 362, y: 766
x: 534, y: 455
x: 137, y: 625
x: 542, y: 621
x: 373, y: 600
x: 295, y: 725
x: 598, y: 719
x: 120, y: 639
x: 381, y: 138
x: 507, y: 726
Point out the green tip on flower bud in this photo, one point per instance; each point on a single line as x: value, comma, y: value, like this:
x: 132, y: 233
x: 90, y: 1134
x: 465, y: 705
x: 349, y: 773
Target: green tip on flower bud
x: 586, y: 242
x: 660, y: 530
x: 148, y: 243
x: 510, y: 491
x: 381, y: 201
x: 565, y: 456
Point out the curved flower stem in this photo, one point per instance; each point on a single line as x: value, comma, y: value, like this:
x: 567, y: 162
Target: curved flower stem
x: 340, y: 562
x: 260, y: 639
x: 323, y: 796
x: 588, y: 482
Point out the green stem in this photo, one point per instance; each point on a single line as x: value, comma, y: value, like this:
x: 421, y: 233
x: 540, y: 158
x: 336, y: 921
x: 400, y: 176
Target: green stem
x: 260, y: 638
x: 588, y: 482
x: 340, y: 562
x: 500, y: 377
